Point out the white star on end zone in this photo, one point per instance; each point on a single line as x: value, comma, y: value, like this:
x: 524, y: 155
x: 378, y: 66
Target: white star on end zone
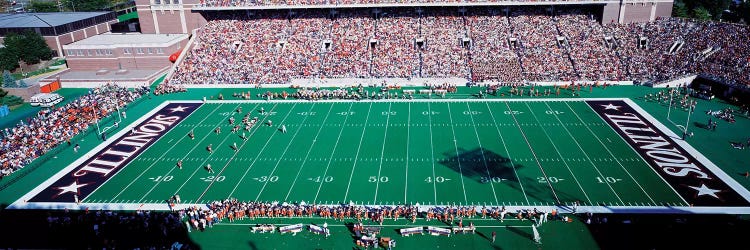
x: 73, y: 188
x: 703, y: 190
x: 178, y: 109
x: 610, y: 106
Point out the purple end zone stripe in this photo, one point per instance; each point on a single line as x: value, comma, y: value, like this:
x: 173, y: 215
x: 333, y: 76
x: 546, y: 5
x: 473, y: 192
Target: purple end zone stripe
x: 92, y: 173
x: 688, y: 176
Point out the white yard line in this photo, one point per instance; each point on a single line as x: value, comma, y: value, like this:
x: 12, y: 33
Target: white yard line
x: 458, y: 156
x: 512, y: 165
x: 330, y: 158
x: 536, y: 159
x: 432, y: 152
x: 565, y: 162
x: 255, y: 159
x: 481, y: 150
x: 356, y: 157
x: 610, y: 152
x: 382, y: 152
x: 183, y: 158
x: 406, y: 171
x: 584, y: 153
x: 153, y: 163
x: 200, y: 166
x: 281, y: 158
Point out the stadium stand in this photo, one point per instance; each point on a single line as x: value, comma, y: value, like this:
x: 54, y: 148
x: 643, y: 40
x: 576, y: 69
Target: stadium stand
x: 28, y: 140
x: 479, y: 44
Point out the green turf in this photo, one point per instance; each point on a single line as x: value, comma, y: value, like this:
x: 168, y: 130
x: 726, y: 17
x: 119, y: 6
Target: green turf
x: 431, y: 153
x: 568, y: 235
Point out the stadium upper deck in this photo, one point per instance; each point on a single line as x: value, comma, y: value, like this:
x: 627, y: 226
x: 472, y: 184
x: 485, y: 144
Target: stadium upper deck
x: 183, y: 16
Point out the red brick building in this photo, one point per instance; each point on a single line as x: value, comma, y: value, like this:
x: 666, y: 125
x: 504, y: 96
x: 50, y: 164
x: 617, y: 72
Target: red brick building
x: 132, y: 51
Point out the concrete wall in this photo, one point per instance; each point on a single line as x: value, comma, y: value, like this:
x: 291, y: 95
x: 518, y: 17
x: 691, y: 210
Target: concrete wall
x: 637, y: 13
x: 611, y: 13
x: 664, y: 9
x: 167, y: 18
x: 24, y: 93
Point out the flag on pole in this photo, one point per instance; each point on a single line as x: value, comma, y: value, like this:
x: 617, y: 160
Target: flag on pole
x: 537, y: 238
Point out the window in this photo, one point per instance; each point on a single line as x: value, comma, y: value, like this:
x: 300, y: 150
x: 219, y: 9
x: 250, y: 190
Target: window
x: 160, y: 51
x: 80, y: 52
x: 109, y: 52
x: 70, y: 52
x: 139, y: 50
x: 126, y: 51
x: 150, y: 51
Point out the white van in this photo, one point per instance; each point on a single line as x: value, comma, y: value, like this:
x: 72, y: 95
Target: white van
x: 45, y: 99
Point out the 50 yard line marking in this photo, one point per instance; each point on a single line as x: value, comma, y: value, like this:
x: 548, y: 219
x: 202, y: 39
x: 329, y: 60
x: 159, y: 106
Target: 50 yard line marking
x: 263, y: 149
x: 382, y: 151
x: 290, y: 144
x: 330, y: 158
x: 162, y: 155
x: 346, y: 195
x: 481, y: 150
x: 455, y: 145
x: 512, y: 165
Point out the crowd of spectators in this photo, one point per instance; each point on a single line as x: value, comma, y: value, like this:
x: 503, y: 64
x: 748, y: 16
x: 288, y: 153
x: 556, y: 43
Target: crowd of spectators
x: 21, y: 144
x: 164, y: 89
x: 232, y: 209
x: 242, y: 3
x: 105, y: 229
x: 480, y: 44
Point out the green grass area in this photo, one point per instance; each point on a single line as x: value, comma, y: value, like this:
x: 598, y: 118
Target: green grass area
x: 381, y: 153
x: 20, y: 76
x: 376, y: 141
x: 511, y: 234
x: 127, y: 16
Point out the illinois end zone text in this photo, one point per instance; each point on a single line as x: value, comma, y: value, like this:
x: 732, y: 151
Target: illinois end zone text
x: 92, y: 173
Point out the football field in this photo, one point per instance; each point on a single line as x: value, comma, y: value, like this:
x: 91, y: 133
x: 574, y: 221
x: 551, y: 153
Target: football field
x: 539, y: 152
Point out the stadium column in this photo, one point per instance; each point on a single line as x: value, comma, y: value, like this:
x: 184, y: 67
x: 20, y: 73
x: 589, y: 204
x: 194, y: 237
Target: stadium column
x: 184, y: 24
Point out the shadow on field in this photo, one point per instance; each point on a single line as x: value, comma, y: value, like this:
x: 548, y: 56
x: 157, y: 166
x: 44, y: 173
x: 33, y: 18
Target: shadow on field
x: 503, y: 172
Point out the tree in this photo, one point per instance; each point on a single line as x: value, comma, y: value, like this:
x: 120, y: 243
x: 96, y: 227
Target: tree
x: 44, y: 6
x: 679, y: 10
x: 86, y: 5
x: 21, y: 84
x: 8, y: 80
x: 8, y: 60
x: 28, y: 46
x: 701, y: 13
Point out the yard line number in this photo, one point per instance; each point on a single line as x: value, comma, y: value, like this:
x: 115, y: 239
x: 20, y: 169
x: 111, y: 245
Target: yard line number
x: 437, y: 179
x: 550, y: 179
x: 374, y: 179
x: 160, y: 178
x: 265, y: 178
x: 608, y: 179
x: 217, y: 178
x: 321, y: 179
